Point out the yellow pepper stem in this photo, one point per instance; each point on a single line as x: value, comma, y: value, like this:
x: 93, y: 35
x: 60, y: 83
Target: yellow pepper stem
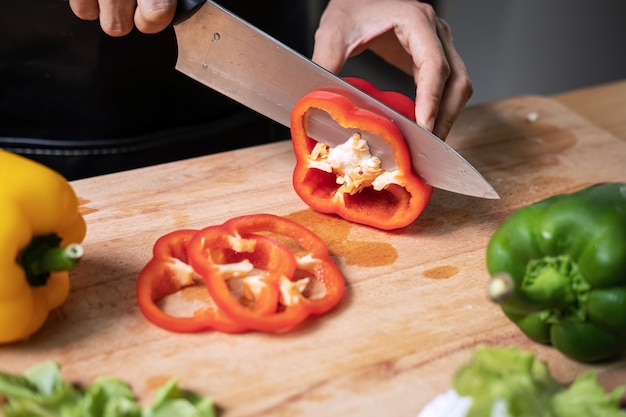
x: 61, y: 259
x: 44, y: 255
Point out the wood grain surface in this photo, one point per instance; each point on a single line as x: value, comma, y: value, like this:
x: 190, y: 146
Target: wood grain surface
x: 415, y: 306
x: 603, y: 104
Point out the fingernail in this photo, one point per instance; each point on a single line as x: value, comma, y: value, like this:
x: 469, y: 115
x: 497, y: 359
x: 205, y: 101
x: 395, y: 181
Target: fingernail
x: 428, y: 124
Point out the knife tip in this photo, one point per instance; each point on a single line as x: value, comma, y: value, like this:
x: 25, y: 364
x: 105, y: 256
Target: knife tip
x: 491, y: 195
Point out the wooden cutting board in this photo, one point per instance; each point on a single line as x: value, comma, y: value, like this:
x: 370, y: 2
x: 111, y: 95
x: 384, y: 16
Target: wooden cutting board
x: 415, y: 306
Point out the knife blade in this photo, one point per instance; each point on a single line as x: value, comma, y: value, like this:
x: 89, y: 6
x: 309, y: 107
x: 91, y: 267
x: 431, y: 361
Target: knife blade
x: 229, y: 55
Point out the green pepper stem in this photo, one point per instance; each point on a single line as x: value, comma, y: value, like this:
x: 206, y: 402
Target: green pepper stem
x: 500, y: 287
x: 554, y: 282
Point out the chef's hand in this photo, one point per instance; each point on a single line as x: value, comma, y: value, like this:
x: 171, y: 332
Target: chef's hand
x: 118, y: 17
x: 408, y: 35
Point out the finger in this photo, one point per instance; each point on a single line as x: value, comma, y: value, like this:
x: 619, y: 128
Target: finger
x: 389, y: 48
x: 329, y: 50
x: 431, y: 71
x: 85, y: 9
x: 458, y: 89
x: 117, y: 16
x: 416, y: 31
x: 153, y: 16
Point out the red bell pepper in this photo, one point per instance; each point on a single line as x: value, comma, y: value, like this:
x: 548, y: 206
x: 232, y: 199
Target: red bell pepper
x: 168, y: 272
x: 359, y: 191
x: 295, y: 274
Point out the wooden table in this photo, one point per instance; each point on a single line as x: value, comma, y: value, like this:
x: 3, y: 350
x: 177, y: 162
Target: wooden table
x: 601, y: 105
x: 415, y: 305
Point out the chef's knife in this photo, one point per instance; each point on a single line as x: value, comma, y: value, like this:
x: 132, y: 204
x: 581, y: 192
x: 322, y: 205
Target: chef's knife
x: 222, y: 51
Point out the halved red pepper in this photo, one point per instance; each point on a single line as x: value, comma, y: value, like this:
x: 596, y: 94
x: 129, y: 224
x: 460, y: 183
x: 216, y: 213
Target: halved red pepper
x: 169, y: 271
x: 385, y: 200
x: 213, y: 248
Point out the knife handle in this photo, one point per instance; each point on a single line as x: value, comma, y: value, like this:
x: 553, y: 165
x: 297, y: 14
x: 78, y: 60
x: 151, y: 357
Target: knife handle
x: 185, y: 9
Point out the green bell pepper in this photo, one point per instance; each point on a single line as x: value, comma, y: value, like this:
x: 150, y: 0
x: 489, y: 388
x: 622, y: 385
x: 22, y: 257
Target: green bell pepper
x: 558, y: 270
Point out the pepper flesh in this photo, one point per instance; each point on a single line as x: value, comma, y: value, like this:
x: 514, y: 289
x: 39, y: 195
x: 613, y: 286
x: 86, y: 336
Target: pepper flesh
x: 347, y: 180
x: 168, y: 272
x: 559, y: 271
x: 212, y: 247
x: 38, y: 211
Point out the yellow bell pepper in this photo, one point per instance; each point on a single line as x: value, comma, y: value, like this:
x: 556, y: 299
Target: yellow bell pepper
x: 40, y: 234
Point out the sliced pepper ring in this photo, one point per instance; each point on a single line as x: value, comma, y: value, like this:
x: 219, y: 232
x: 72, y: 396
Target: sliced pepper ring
x: 168, y: 272
x: 294, y: 306
x: 316, y: 259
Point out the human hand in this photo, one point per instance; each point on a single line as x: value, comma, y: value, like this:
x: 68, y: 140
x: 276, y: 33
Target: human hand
x: 118, y: 17
x: 408, y: 35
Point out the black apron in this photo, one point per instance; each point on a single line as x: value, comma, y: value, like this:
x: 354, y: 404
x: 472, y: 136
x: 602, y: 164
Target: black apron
x: 86, y: 104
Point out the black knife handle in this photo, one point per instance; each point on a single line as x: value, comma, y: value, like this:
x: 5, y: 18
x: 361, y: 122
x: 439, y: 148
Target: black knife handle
x: 185, y: 9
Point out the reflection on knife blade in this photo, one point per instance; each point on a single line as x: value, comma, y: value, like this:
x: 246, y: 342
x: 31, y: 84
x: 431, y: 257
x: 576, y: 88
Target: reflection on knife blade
x: 234, y: 58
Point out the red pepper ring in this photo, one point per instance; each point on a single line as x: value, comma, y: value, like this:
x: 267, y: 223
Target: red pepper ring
x: 292, y: 311
x: 168, y: 272
x: 323, y: 268
x: 394, y: 206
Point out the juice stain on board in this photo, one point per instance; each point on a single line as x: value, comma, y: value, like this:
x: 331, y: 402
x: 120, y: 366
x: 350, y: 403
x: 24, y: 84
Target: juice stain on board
x: 441, y: 272
x: 335, y: 231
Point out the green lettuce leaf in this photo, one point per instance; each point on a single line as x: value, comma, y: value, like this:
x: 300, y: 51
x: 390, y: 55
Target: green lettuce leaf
x: 586, y: 397
x: 525, y: 384
x: 41, y: 392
